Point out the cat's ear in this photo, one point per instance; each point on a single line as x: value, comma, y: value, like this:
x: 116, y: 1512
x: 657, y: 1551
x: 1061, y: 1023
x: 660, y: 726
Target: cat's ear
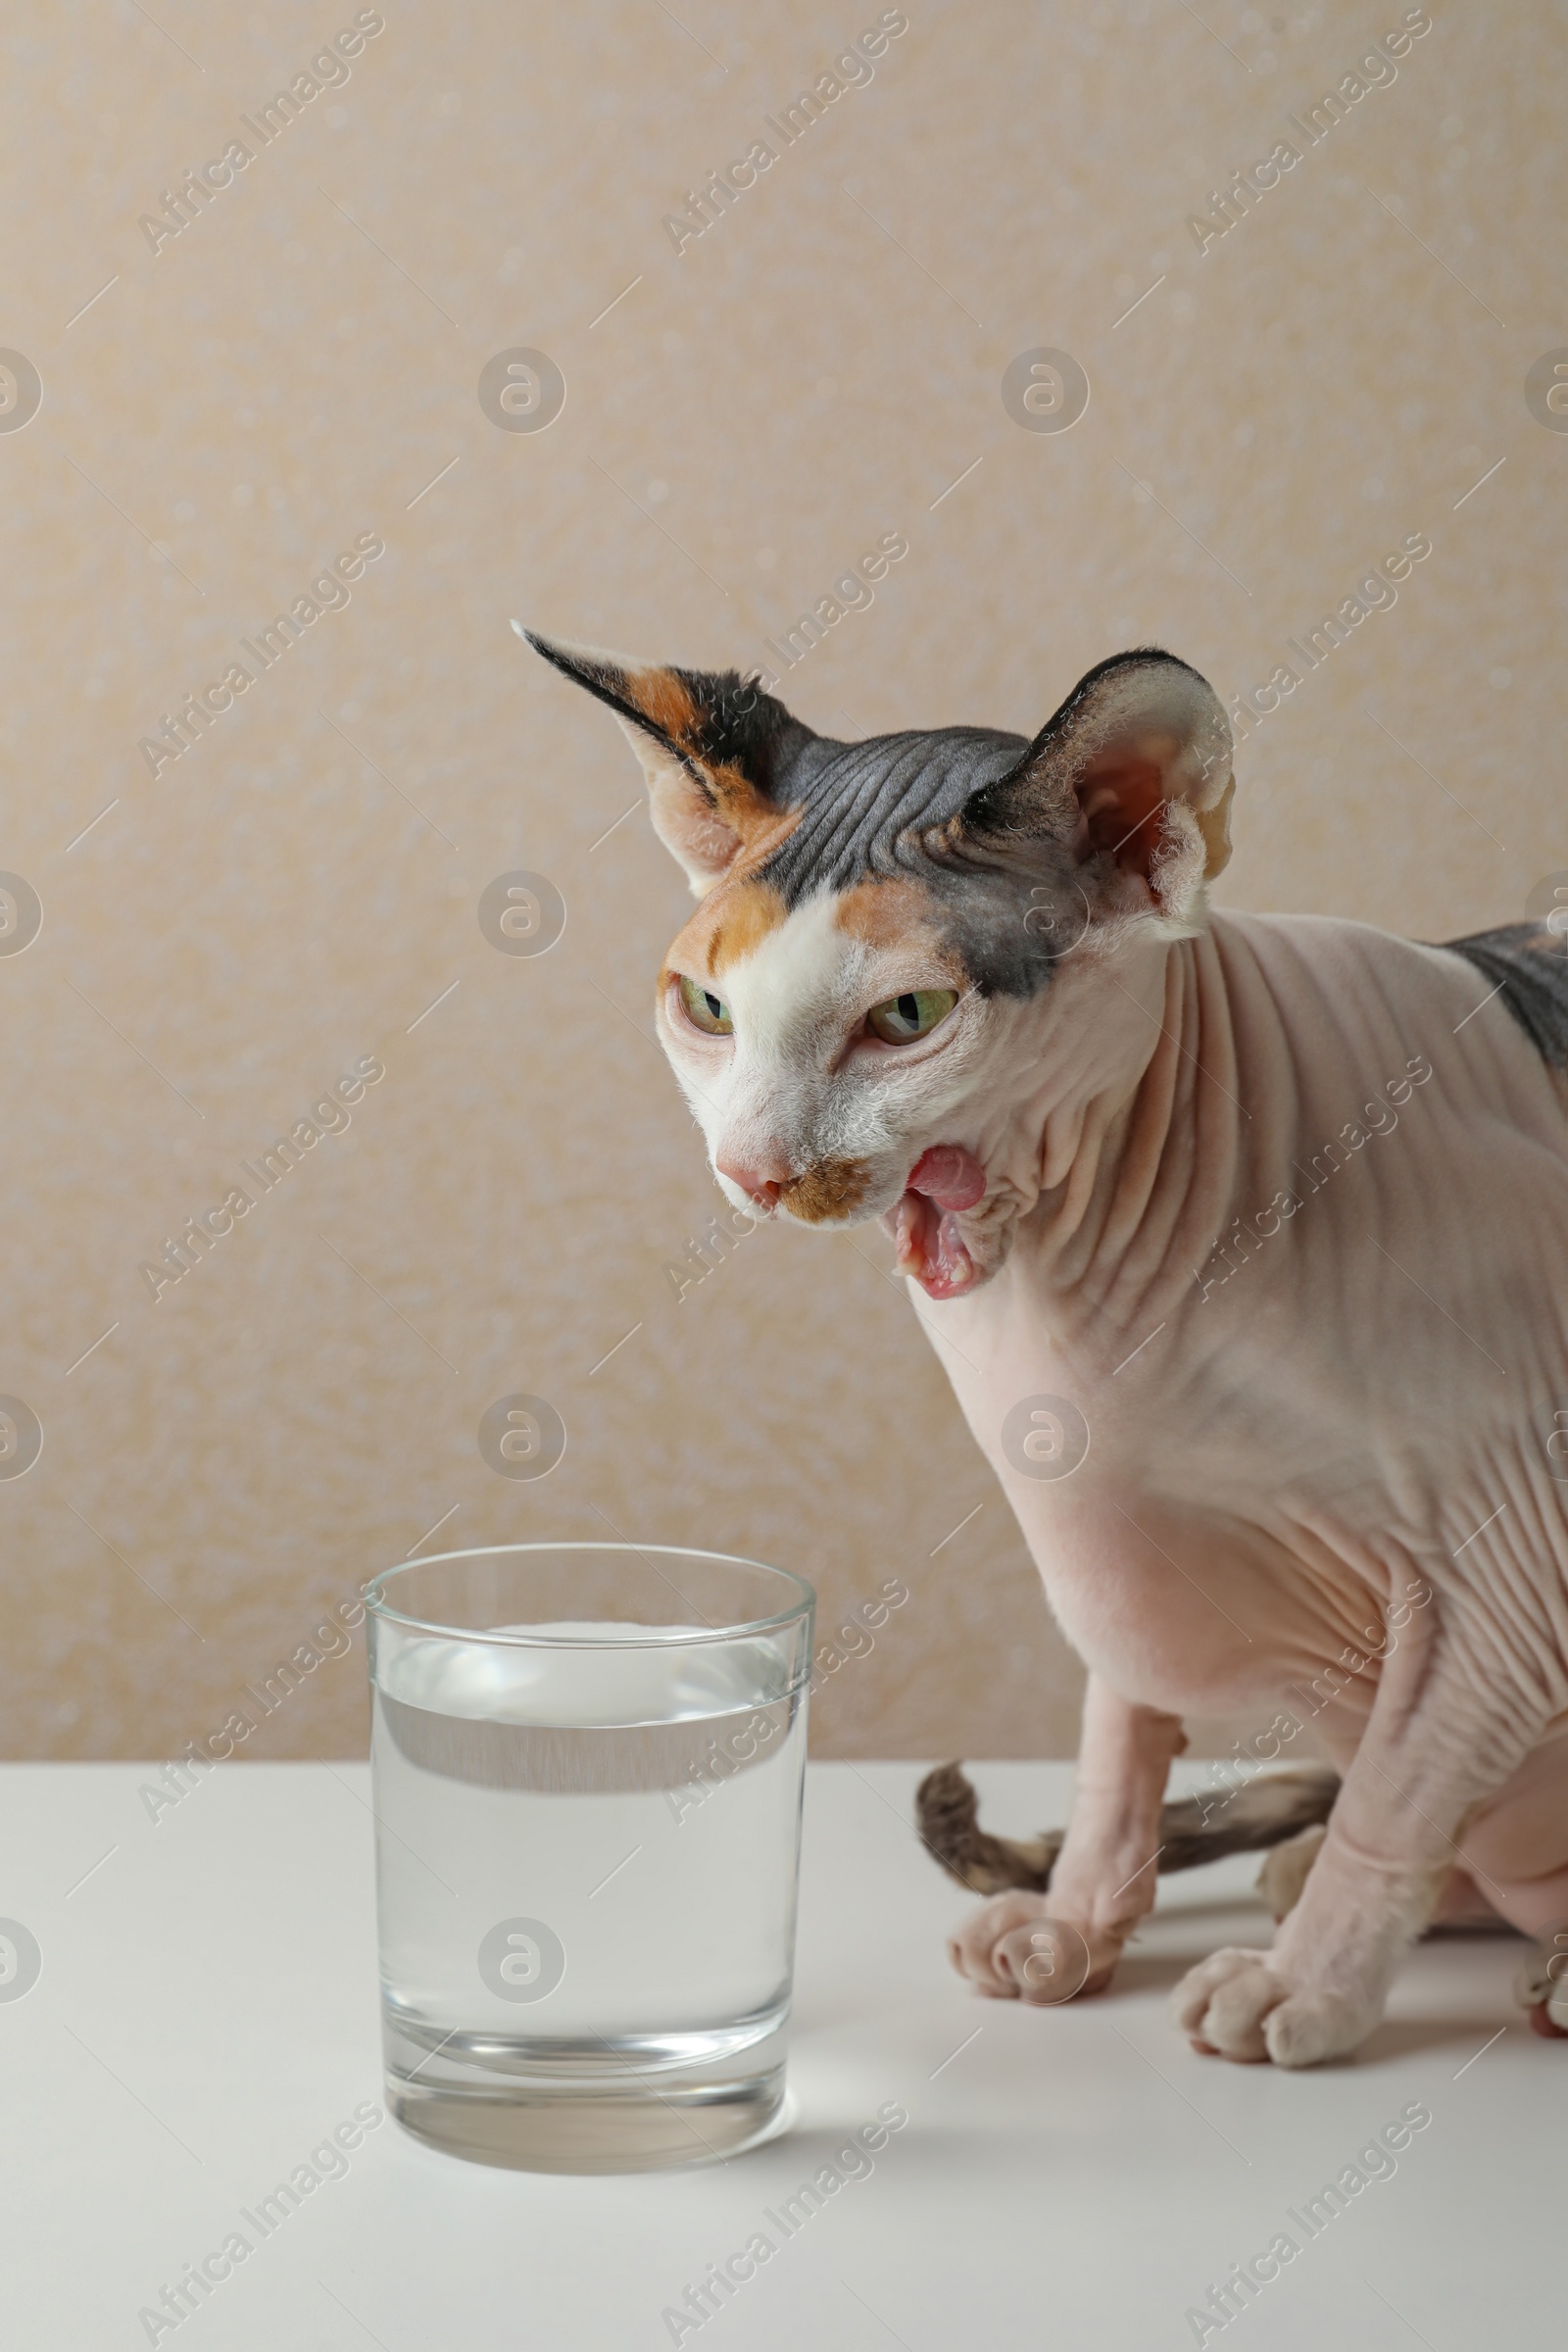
x: 712, y: 746
x: 1137, y: 765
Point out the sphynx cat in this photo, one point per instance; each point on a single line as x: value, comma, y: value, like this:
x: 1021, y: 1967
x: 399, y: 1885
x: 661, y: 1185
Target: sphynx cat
x: 1242, y: 1239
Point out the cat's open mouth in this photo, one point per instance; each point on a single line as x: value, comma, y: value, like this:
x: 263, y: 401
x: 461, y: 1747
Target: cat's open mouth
x: 924, y: 1224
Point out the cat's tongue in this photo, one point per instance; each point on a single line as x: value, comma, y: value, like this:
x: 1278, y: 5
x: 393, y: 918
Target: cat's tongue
x: 925, y: 1225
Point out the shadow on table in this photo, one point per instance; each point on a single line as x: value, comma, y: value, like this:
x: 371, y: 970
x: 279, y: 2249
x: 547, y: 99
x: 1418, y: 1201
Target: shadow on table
x: 1251, y: 1918
x: 1146, y: 1973
x: 1464, y: 2036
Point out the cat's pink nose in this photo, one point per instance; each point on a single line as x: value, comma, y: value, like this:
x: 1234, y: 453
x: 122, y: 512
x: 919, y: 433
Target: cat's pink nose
x: 759, y: 1179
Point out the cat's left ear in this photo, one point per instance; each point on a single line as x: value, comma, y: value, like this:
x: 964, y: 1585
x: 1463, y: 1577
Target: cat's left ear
x: 1136, y: 767
x: 713, y: 745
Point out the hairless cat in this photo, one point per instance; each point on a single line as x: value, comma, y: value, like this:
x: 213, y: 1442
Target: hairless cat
x: 1244, y: 1241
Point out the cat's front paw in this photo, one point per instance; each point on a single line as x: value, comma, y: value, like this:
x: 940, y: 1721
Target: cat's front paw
x: 1240, y: 2004
x: 1012, y: 1950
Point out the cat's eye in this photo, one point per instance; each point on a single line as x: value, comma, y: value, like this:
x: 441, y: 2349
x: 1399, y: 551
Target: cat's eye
x: 902, y: 1019
x: 704, y: 1009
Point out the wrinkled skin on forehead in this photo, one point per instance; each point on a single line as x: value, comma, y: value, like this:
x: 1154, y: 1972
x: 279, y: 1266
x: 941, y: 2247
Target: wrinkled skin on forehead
x: 889, y: 811
x: 1272, y: 1211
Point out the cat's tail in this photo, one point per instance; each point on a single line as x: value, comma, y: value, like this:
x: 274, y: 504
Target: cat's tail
x: 1261, y: 1812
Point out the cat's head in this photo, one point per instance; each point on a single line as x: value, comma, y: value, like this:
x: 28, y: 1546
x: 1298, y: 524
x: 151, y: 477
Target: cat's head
x: 911, y: 952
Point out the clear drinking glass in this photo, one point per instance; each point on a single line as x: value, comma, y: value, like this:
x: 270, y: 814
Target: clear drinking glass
x: 587, y: 1762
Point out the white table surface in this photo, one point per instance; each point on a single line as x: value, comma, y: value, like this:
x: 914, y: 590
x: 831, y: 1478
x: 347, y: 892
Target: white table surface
x: 1069, y: 2180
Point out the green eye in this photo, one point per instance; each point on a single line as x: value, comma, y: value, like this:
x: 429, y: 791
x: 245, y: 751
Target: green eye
x: 902, y: 1019
x: 704, y: 1009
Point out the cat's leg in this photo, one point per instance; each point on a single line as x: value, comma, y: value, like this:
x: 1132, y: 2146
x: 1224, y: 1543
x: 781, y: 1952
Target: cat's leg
x: 1283, y: 1879
x: 1435, y: 1751
x: 1517, y: 1849
x: 1046, y: 1947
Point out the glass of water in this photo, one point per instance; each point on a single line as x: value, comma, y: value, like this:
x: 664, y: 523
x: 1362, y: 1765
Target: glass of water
x: 587, y: 1762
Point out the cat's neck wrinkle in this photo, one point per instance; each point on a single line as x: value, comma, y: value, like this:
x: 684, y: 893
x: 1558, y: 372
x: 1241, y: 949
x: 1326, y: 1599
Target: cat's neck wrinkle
x: 1136, y: 1180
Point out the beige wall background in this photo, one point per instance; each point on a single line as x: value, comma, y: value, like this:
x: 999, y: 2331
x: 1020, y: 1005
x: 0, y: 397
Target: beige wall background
x: 298, y: 367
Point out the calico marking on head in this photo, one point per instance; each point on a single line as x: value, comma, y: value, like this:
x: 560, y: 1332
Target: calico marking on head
x: 876, y: 917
